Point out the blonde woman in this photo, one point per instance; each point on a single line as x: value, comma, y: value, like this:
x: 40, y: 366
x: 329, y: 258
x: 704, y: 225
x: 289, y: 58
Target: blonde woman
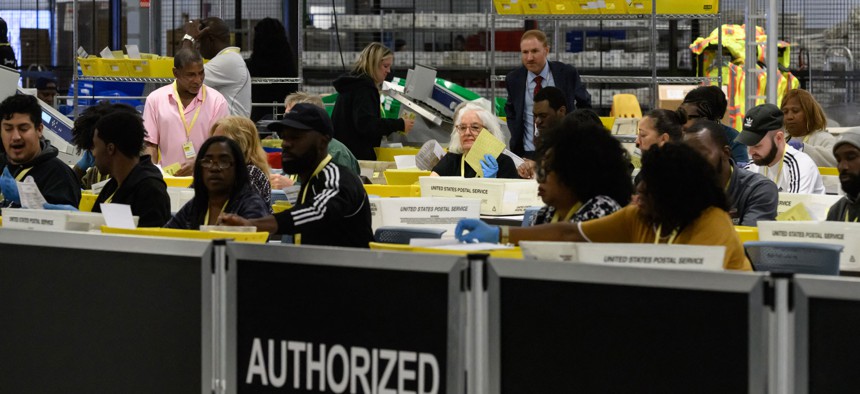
x: 244, y: 132
x: 357, y: 116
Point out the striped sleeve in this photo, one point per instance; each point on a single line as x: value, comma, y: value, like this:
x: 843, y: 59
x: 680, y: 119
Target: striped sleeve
x: 329, y: 200
x: 792, y: 169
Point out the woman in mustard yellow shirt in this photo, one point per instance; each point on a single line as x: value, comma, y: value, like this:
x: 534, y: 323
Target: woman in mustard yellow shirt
x: 679, y: 202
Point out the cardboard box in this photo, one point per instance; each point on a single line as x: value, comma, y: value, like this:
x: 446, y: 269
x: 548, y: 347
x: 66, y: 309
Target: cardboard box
x: 671, y: 96
x: 48, y: 220
x: 422, y: 212
x: 498, y: 196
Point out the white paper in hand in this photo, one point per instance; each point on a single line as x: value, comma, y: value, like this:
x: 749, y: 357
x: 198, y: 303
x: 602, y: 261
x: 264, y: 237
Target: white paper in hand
x: 31, y: 197
x: 118, y: 215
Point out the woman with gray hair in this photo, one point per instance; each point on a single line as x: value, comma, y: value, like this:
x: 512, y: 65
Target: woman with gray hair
x: 468, y: 123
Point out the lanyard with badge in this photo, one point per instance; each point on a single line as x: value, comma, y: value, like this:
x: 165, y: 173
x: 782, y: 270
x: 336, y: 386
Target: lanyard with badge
x: 463, y: 168
x: 570, y: 213
x: 188, y: 146
x: 298, y: 237
x: 729, y: 182
x: 22, y: 174
x: 206, y: 218
x: 778, y: 171
x: 672, y: 235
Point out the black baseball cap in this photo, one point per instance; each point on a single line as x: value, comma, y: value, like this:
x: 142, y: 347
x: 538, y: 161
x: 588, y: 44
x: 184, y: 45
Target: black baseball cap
x: 759, y: 121
x: 305, y: 116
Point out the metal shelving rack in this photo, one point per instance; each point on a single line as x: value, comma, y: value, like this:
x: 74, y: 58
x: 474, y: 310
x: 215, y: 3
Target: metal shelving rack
x: 165, y: 81
x: 653, y: 80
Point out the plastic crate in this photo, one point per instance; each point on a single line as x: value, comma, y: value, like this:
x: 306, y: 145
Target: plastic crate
x: 92, y: 66
x: 670, y: 7
x: 88, y: 200
x: 178, y: 181
x: 150, y: 66
x: 508, y: 7
x: 585, y: 7
x: 407, y: 176
x: 562, y: 7
x: 257, y: 237
x: 614, y: 7
x: 536, y: 7
x: 393, y: 190
x: 387, y: 154
x: 115, y: 67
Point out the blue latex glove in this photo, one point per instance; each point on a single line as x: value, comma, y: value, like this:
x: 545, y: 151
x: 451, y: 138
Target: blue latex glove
x: 796, y: 144
x: 86, y: 161
x: 478, y: 231
x: 490, y: 166
x: 8, y: 187
x: 58, y: 207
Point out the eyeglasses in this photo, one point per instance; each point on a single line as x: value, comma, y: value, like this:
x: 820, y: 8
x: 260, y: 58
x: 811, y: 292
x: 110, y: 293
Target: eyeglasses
x: 474, y: 128
x: 211, y: 164
x: 541, y: 172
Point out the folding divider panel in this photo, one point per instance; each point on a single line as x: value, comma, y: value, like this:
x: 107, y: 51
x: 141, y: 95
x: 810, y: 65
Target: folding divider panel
x: 313, y: 319
x: 827, y: 344
x: 89, y: 313
x: 561, y: 327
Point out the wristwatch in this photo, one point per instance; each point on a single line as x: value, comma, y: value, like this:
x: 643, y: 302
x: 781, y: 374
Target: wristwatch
x: 188, y: 37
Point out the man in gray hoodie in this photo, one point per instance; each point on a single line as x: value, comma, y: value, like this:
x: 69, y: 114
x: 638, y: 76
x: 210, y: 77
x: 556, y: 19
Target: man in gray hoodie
x: 752, y: 196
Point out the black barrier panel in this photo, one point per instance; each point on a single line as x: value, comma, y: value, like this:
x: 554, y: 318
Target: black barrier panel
x: 341, y: 329
x: 834, y: 346
x: 577, y: 337
x: 598, y: 329
x: 827, y: 313
x: 87, y: 321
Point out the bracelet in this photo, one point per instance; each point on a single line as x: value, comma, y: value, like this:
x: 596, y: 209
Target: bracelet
x: 504, y: 234
x: 188, y: 37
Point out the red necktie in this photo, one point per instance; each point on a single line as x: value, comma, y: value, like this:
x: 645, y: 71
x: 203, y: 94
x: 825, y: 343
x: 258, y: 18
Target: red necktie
x: 538, y: 80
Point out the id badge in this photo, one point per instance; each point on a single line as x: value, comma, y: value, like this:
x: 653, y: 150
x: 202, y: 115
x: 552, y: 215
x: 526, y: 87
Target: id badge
x: 188, y: 148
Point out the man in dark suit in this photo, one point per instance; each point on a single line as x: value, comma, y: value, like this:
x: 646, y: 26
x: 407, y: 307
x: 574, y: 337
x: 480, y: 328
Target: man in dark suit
x: 524, y: 82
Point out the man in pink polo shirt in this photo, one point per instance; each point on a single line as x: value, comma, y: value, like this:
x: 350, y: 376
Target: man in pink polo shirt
x: 179, y: 116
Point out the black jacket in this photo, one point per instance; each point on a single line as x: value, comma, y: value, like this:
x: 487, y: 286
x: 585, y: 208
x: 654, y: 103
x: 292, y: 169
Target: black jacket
x: 356, y: 117
x: 847, y: 209
x: 565, y: 77
x: 55, y: 179
x: 335, y: 211
x: 270, y: 92
x: 247, y: 203
x: 7, y: 56
x: 144, y: 190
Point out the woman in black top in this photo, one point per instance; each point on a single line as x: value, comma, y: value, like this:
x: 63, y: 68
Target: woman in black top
x: 468, y: 123
x: 7, y: 54
x: 220, y: 185
x: 357, y: 117
x: 272, y: 57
